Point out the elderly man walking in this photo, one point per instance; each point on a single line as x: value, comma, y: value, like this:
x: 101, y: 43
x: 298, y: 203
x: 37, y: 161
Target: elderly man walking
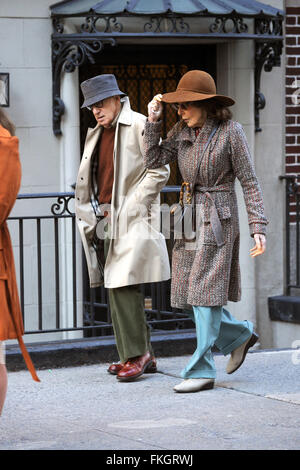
x: 116, y: 203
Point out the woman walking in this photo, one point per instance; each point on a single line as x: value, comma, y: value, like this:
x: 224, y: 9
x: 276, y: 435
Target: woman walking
x: 211, y: 150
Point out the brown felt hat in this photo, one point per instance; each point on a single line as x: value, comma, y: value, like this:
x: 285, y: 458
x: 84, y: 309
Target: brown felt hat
x: 196, y: 85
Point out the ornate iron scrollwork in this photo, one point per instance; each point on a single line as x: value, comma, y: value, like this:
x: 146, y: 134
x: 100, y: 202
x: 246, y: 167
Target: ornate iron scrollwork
x: 267, y: 56
x: 82, y: 51
x: 270, y: 26
x: 58, y: 25
x: 68, y: 54
x: 179, y: 26
x: 173, y: 24
x: 69, y: 51
x: 226, y: 24
x: 61, y: 207
x: 153, y: 26
x: 292, y: 187
x: 91, y: 25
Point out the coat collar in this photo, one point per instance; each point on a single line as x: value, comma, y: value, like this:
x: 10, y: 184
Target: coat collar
x: 189, y: 134
x: 126, y: 113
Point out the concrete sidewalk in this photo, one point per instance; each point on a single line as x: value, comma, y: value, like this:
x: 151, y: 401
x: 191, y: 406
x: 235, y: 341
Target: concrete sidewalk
x: 77, y: 408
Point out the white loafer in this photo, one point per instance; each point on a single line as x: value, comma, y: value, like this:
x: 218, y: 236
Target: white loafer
x: 238, y: 355
x: 194, y: 385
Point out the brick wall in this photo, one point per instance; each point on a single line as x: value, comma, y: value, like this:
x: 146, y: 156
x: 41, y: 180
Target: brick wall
x: 292, y: 45
x: 292, y: 49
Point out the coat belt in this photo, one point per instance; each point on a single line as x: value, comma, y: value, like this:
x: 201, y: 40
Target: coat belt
x: 213, y: 213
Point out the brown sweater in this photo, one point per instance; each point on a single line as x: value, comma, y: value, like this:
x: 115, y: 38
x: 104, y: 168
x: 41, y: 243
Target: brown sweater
x: 106, y: 165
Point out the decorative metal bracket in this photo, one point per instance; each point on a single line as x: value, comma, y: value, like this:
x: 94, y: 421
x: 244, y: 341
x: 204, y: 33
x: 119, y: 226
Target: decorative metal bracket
x: 292, y: 186
x: 267, y: 56
x: 68, y: 53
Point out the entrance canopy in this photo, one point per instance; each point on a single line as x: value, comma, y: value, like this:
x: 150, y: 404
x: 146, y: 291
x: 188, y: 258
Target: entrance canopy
x: 109, y: 22
x: 245, y: 8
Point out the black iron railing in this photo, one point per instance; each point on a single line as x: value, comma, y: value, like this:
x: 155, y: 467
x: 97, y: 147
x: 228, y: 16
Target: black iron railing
x: 292, y: 210
x: 34, y: 226
x: 52, y: 272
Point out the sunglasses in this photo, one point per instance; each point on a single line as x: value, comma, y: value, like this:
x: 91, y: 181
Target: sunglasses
x: 97, y: 105
x: 183, y: 106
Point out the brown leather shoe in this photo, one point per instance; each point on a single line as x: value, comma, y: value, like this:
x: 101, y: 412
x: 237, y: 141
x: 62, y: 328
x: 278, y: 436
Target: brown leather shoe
x: 115, y: 367
x: 136, y: 366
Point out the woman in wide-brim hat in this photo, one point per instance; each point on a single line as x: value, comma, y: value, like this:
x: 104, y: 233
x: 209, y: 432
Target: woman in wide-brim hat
x: 206, y: 273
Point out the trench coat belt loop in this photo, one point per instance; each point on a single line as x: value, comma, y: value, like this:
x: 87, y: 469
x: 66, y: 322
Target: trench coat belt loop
x: 213, y: 213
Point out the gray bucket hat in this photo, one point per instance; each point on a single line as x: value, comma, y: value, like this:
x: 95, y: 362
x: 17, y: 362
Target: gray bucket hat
x: 98, y: 88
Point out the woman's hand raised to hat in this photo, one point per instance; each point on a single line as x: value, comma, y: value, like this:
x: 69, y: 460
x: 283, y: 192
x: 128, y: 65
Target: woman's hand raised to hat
x: 155, y: 108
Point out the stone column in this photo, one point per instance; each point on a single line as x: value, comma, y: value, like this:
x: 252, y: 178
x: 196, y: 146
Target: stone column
x: 235, y: 69
x: 69, y: 164
x: 262, y: 277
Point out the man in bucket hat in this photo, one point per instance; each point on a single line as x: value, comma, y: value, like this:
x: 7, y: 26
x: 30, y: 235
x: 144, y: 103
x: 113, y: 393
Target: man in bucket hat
x: 112, y: 182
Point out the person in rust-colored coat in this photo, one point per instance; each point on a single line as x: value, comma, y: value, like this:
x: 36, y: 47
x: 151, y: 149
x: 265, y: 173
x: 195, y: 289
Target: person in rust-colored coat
x: 11, y: 322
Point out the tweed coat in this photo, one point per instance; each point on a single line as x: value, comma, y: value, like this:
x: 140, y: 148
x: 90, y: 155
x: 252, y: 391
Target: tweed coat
x: 137, y: 252
x: 207, y: 274
x: 11, y: 322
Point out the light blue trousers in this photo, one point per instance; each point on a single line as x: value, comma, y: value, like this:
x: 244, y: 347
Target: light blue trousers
x: 214, y: 325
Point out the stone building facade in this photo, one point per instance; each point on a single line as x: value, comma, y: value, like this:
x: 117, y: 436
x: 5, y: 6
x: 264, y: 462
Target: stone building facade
x: 50, y: 163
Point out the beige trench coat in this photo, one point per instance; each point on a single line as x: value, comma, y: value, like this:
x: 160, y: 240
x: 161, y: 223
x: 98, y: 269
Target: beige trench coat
x: 137, y: 252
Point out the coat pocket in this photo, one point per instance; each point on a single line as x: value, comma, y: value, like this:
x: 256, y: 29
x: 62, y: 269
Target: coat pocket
x: 224, y: 214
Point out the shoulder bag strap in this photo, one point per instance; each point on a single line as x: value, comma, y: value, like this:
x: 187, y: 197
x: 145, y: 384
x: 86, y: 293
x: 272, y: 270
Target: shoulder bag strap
x: 202, y: 155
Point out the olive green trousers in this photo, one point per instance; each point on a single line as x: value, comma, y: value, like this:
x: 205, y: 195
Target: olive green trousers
x: 132, y: 333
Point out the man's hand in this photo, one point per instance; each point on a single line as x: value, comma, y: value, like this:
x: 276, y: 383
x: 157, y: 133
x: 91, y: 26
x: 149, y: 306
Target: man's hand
x: 155, y: 108
x: 260, y: 245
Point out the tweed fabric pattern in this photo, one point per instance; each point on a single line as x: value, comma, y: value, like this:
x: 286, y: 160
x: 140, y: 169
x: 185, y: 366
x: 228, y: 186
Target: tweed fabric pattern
x: 207, y: 274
